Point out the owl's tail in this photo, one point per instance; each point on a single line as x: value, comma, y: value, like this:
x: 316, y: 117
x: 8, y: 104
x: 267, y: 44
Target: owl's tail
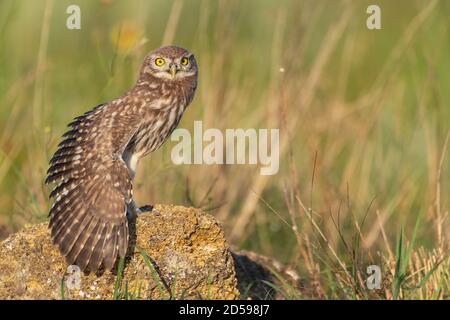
x: 89, y: 242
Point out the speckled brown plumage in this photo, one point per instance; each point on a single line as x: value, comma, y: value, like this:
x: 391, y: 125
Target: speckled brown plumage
x: 94, y: 165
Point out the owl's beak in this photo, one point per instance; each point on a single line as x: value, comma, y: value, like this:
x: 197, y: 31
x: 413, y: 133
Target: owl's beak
x: 173, y: 70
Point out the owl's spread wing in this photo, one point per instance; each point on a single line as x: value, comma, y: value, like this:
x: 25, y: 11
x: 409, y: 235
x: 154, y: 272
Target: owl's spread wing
x: 88, y: 218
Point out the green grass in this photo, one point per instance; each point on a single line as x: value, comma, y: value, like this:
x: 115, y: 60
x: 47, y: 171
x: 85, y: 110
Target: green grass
x: 364, y: 118
x: 117, y: 294
x: 155, y: 276
x: 63, y: 289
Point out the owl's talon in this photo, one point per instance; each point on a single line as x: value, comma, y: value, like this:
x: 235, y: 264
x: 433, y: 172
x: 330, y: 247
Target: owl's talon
x: 146, y: 208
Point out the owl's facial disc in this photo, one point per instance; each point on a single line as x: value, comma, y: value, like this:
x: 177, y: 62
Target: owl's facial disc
x: 172, y: 68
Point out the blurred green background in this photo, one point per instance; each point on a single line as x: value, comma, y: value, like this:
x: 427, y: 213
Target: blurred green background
x: 363, y: 114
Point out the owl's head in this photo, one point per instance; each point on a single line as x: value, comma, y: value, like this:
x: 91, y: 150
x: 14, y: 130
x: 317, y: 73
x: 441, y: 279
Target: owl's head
x: 170, y: 63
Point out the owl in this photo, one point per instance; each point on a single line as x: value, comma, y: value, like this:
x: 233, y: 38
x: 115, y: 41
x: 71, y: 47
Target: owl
x: 93, y: 167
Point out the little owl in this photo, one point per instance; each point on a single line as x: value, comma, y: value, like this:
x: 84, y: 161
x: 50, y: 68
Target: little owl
x: 94, y: 165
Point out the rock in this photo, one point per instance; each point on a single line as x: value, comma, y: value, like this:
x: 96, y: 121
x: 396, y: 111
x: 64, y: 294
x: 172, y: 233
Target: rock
x: 179, y: 253
x: 258, y: 276
x: 191, y: 261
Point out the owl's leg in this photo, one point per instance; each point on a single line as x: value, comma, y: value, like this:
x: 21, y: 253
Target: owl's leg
x: 132, y: 210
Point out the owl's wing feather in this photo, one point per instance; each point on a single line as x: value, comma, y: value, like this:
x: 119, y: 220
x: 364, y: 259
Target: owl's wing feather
x: 88, y: 218
x: 97, y: 253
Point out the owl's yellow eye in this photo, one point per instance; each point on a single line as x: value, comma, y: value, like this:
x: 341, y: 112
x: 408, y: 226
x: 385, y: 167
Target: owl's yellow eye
x: 184, y: 61
x: 159, y: 61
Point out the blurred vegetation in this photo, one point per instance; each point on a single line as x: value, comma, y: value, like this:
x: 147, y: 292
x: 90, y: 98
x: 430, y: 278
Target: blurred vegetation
x: 364, y: 118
